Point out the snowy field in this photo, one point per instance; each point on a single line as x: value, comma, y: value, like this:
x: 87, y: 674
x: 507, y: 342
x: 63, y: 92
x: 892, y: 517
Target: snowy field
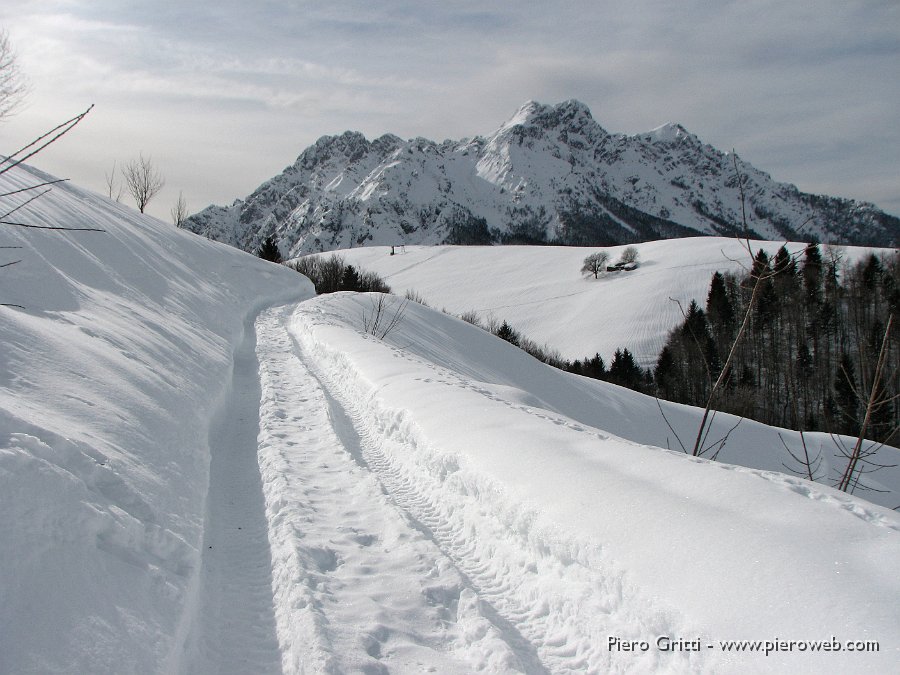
x: 204, y: 469
x: 541, y: 291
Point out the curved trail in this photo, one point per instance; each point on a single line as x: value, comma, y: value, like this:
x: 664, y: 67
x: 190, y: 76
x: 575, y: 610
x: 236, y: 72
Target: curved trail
x: 337, y: 540
x: 554, y: 606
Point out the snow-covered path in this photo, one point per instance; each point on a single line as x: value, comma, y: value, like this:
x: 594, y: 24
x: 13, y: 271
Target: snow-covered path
x: 380, y: 567
x: 357, y: 586
x: 234, y: 625
x: 348, y: 533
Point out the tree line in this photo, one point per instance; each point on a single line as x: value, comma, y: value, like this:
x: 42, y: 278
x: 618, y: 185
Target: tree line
x: 809, y: 359
x: 820, y: 351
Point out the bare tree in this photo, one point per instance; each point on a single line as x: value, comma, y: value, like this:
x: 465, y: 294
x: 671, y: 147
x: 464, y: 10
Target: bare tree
x: 13, y: 85
x: 179, y: 211
x: 595, y: 263
x: 758, y: 279
x: 113, y: 189
x: 630, y: 256
x: 142, y: 180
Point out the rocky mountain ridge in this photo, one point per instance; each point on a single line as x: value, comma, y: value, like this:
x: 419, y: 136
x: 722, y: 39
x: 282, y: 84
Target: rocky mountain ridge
x: 550, y: 174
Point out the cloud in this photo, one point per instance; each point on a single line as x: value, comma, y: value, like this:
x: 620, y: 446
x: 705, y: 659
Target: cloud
x: 807, y: 91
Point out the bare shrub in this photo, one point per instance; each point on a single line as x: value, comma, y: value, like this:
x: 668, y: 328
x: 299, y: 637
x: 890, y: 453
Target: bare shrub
x: 384, y: 315
x: 472, y: 317
x: 415, y: 296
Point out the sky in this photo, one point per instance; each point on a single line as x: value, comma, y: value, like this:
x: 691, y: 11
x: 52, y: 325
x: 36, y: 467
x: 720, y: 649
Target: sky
x: 223, y: 96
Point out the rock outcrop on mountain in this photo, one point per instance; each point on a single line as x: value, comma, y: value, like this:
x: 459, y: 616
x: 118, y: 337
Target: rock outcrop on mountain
x: 551, y: 174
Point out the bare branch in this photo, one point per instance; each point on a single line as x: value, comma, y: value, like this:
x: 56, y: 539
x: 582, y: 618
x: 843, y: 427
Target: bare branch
x: 668, y: 424
x: 34, y: 187
x: 721, y: 442
x: 25, y: 203
x: 41, y: 143
x: 811, y: 466
x: 179, y: 212
x: 373, y: 322
x: 111, y: 186
x: 847, y: 477
x: 52, y: 227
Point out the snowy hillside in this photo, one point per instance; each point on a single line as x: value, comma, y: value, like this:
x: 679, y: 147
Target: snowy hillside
x: 108, y: 380
x: 541, y: 291
x: 550, y: 173
x: 205, y: 470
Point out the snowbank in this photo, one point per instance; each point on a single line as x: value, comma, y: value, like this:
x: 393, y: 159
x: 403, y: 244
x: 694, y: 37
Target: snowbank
x: 586, y: 535
x: 108, y: 378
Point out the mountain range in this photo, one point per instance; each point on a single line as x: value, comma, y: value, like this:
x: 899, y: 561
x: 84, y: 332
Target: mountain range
x: 550, y: 174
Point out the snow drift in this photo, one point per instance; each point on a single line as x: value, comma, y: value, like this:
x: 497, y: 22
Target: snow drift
x: 541, y: 487
x: 109, y: 376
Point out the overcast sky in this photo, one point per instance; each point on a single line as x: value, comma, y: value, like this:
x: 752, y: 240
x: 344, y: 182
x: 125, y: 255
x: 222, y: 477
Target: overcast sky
x: 223, y: 95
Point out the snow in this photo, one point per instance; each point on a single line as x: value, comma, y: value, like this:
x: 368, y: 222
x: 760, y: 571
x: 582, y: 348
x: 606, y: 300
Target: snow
x: 204, y: 469
x: 541, y: 291
x: 669, y: 133
x: 110, y: 377
x: 571, y: 531
x: 525, y: 112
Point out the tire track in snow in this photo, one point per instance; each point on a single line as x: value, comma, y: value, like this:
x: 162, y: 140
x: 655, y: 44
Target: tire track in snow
x: 356, y: 587
x: 558, y: 598
x: 350, y: 438
x: 234, y: 624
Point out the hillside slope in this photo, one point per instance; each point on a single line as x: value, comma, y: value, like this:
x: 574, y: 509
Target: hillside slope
x: 548, y: 173
x: 109, y: 378
x: 542, y: 292
x: 567, y: 528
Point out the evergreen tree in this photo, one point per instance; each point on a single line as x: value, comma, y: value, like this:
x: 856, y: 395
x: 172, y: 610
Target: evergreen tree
x: 666, y: 374
x: 350, y: 279
x: 812, y: 275
x: 508, y: 333
x: 784, y: 267
x: 595, y: 368
x: 846, y: 402
x: 720, y: 313
x: 269, y: 250
x: 625, y: 371
x: 766, y: 304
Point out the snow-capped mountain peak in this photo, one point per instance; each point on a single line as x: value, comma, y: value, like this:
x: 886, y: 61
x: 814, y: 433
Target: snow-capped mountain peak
x: 671, y: 132
x: 550, y: 173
